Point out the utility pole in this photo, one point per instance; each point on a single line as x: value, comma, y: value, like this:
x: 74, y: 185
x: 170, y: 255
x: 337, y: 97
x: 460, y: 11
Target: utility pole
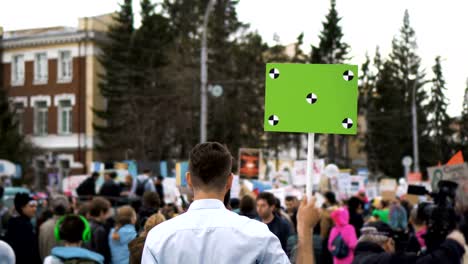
x: 204, y: 74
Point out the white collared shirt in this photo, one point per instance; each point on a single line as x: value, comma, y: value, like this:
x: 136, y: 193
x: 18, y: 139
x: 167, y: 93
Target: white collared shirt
x: 208, y: 233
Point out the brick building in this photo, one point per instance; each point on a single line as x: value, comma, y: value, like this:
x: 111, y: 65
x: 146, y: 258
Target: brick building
x: 52, y: 75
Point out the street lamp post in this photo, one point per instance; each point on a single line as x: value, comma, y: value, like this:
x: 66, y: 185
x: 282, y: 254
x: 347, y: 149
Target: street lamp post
x: 204, y: 74
x: 415, y: 129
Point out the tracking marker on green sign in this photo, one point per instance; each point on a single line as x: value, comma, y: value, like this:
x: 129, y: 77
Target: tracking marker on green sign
x: 311, y: 98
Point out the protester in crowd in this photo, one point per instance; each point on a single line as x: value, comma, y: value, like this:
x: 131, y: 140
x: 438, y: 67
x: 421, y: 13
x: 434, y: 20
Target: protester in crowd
x: 292, y: 205
x: 381, y: 211
x: 136, y: 245
x: 110, y: 188
x: 235, y: 205
x: 279, y: 211
x: 20, y: 233
x: 143, y: 184
x: 398, y: 221
x: 326, y: 224
x: 343, y: 240
x: 356, y: 217
x: 87, y: 188
x: 7, y: 255
x: 122, y: 234
x: 160, y: 188
x: 376, y: 246
x: 247, y: 207
x: 126, y: 186
x: 151, y: 204
x: 416, y: 242
x: 99, y: 211
x: 266, y: 203
x: 73, y: 230
x: 170, y: 211
x: 208, y: 232
x: 60, y: 206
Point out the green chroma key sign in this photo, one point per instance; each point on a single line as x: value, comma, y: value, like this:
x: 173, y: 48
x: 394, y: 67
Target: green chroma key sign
x: 311, y: 98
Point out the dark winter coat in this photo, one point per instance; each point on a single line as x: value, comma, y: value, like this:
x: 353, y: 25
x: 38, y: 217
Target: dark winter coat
x: 449, y: 252
x: 22, y: 238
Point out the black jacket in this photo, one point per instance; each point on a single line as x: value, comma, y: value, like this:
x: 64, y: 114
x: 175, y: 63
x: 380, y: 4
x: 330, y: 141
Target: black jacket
x: 87, y: 187
x: 449, y: 252
x: 99, y: 240
x: 110, y: 189
x: 21, y: 237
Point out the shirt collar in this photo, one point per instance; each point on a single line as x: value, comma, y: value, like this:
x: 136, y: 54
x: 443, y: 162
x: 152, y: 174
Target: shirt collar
x: 206, y: 204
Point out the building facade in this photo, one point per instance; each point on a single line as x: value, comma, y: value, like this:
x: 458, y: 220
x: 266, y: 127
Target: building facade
x: 52, y: 76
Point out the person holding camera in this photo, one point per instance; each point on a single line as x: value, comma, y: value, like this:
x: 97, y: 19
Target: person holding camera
x: 377, y: 246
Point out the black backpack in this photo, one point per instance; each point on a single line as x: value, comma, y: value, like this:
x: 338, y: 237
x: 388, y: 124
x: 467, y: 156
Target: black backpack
x: 140, y: 189
x: 340, y: 250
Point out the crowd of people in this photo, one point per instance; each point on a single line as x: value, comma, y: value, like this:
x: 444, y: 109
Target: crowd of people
x: 212, y: 228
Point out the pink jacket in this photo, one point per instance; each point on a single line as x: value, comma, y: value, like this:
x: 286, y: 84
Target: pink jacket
x: 341, y: 218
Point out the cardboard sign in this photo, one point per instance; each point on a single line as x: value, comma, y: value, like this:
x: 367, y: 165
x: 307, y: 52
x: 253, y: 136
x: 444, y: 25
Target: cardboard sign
x: 387, y: 189
x: 249, y: 163
x: 414, y: 177
x: 181, y: 170
x: 70, y: 183
x: 311, y: 98
x: 235, y: 187
x: 300, y: 170
x: 357, y: 183
x: 457, y: 173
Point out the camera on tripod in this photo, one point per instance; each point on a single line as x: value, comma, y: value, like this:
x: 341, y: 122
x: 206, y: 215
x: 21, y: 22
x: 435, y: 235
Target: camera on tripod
x: 440, y: 215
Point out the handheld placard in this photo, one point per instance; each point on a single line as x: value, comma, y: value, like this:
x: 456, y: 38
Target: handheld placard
x: 311, y: 98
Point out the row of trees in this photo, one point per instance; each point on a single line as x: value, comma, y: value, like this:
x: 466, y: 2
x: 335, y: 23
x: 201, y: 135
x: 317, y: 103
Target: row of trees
x: 152, y: 88
x: 151, y: 85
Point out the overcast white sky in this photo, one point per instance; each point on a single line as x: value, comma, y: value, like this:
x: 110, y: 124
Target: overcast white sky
x: 440, y: 26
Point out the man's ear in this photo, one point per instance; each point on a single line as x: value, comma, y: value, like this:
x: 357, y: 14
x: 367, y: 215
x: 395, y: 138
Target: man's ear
x: 229, y: 181
x: 189, y: 180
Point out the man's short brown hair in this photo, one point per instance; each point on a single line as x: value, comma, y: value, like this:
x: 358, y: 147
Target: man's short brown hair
x: 210, y: 165
x: 99, y: 205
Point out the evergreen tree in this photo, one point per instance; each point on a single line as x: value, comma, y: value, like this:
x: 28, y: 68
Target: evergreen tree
x: 464, y: 124
x: 389, y: 118
x: 14, y: 146
x: 113, y: 141
x: 331, y: 49
x: 439, y: 121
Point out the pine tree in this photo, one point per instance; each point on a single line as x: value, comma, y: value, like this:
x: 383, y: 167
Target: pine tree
x: 331, y: 49
x: 14, y: 146
x: 114, y: 86
x: 464, y: 124
x: 439, y: 121
x: 389, y: 119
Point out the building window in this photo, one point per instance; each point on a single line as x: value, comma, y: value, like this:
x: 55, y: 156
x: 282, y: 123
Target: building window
x: 17, y: 70
x: 65, y: 117
x: 65, y: 66
x: 40, y: 68
x: 40, y: 118
x: 19, y: 116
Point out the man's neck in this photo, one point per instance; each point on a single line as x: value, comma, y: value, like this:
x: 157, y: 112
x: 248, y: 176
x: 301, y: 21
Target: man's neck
x: 69, y: 244
x: 268, y: 219
x: 198, y: 195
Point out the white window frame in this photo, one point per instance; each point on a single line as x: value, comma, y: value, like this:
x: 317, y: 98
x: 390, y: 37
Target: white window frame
x: 17, y: 70
x: 60, y: 77
x: 69, y: 110
x: 36, y: 118
x: 44, y: 70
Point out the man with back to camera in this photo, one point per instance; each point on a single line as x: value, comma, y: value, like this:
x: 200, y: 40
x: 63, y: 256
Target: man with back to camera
x: 208, y: 232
